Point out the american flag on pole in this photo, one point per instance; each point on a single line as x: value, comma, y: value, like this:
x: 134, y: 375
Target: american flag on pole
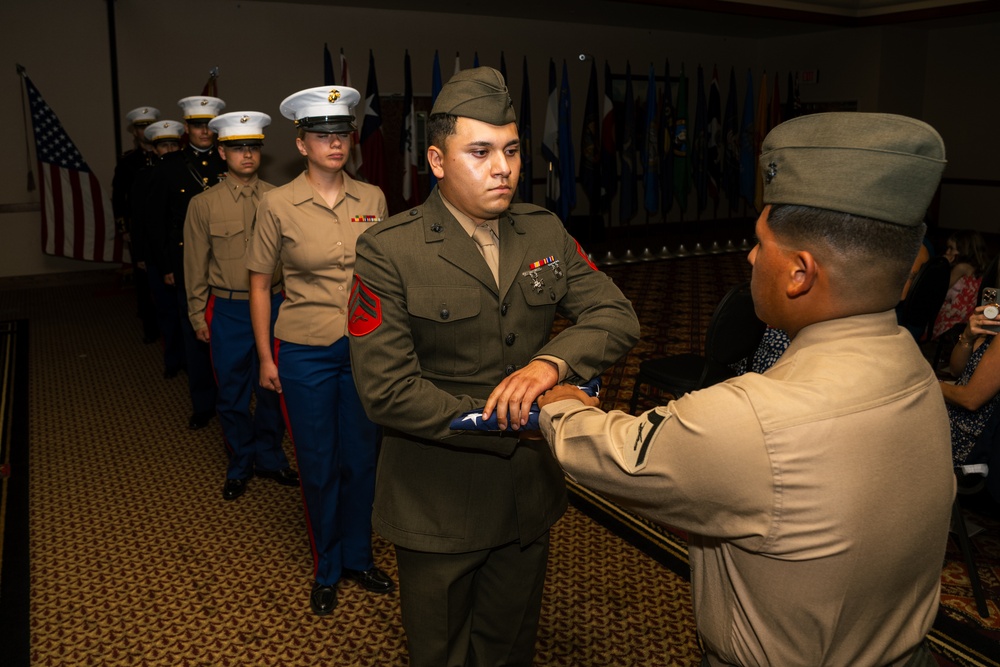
x: 76, y: 215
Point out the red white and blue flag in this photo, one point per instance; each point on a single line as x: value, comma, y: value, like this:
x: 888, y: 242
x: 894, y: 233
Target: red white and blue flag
x: 473, y: 419
x: 77, y: 221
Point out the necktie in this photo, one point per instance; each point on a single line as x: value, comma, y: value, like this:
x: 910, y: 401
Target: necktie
x: 249, y: 205
x: 483, y: 236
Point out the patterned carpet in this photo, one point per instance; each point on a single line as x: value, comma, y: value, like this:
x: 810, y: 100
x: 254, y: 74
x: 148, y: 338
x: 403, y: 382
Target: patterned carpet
x: 136, y: 559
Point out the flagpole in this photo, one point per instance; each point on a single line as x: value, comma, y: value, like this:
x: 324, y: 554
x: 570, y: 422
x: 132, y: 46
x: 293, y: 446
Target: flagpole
x: 113, y: 55
x: 27, y: 143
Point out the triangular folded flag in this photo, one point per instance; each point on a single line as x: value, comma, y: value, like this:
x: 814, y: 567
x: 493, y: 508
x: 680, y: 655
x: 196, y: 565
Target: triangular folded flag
x: 473, y: 419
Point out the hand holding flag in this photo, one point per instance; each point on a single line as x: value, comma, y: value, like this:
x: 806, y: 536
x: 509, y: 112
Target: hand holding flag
x: 473, y: 419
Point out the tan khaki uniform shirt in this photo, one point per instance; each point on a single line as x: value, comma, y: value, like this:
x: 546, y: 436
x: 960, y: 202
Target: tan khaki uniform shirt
x: 315, y: 245
x: 217, y: 230
x: 818, y: 495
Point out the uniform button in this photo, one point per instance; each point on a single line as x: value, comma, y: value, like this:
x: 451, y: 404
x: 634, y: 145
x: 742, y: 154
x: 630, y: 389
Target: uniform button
x: 503, y: 310
x: 413, y: 212
x: 340, y: 287
x: 510, y: 339
x: 552, y: 295
x: 510, y: 369
x: 445, y: 314
x: 339, y: 243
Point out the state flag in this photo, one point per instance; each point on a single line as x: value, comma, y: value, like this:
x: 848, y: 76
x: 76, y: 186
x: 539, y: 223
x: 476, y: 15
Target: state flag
x: 372, y: 145
x: 590, y: 144
x: 609, y: 148
x: 526, y: 186
x: 567, y: 161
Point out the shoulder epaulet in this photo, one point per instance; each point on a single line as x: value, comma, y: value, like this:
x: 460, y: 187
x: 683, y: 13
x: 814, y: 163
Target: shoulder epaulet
x: 398, y: 220
x: 522, y: 208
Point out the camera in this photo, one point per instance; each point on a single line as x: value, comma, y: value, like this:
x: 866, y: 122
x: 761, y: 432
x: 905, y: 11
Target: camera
x: 992, y: 309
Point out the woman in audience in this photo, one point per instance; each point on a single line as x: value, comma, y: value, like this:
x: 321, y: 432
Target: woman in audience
x: 972, y: 399
x: 772, y: 345
x: 967, y: 253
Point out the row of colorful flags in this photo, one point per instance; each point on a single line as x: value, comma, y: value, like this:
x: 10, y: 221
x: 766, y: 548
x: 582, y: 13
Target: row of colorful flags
x: 657, y: 144
x: 655, y: 141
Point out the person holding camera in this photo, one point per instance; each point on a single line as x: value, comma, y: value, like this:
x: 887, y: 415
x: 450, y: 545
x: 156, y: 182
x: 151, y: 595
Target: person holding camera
x: 966, y: 250
x: 972, y: 399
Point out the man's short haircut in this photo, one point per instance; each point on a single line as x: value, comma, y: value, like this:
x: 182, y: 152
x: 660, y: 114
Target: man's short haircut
x: 872, y: 254
x: 440, y: 126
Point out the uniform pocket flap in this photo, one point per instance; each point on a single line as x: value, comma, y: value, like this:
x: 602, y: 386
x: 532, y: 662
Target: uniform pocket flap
x: 225, y: 228
x: 442, y: 303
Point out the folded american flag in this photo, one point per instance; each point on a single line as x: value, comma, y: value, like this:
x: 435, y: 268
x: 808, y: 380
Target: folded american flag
x: 473, y: 419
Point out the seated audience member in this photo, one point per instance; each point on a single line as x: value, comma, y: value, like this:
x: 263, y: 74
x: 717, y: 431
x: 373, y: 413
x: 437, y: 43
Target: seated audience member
x: 772, y: 345
x: 923, y: 255
x: 803, y: 551
x: 972, y: 399
x: 967, y: 253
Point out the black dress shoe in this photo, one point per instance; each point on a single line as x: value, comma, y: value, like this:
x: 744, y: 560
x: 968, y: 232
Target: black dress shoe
x: 374, y: 580
x: 285, y: 476
x: 234, y: 488
x: 323, y: 599
x: 200, y: 420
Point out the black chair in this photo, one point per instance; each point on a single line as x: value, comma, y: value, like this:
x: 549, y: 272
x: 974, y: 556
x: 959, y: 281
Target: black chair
x: 917, y: 311
x: 972, y: 478
x: 734, y: 332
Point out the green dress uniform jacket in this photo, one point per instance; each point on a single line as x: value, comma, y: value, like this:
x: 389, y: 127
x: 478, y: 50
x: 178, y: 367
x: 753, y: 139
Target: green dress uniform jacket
x: 439, y: 337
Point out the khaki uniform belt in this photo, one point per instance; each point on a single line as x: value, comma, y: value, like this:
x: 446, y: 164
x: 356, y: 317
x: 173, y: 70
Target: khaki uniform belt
x: 238, y: 294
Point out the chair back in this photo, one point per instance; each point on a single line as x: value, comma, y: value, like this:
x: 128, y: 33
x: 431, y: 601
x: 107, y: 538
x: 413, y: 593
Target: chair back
x: 734, y: 332
x: 987, y: 450
x: 923, y: 301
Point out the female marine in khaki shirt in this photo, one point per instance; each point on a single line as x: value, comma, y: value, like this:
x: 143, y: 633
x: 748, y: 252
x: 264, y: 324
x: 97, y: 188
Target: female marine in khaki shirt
x: 311, y: 225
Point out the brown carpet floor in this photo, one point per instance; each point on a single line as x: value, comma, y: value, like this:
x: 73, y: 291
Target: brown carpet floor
x: 137, y: 560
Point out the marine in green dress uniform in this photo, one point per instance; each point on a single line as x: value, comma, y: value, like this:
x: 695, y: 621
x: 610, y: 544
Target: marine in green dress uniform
x: 434, y: 333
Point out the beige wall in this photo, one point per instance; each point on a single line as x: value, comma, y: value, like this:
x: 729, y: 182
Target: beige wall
x: 962, y: 100
x: 266, y: 51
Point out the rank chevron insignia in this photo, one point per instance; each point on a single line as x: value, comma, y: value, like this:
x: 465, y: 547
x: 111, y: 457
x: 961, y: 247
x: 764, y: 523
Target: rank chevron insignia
x: 365, y: 309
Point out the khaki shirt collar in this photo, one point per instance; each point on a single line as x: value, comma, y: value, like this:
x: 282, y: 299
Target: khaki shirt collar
x: 468, y: 224
x: 302, y: 190
x: 236, y: 189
